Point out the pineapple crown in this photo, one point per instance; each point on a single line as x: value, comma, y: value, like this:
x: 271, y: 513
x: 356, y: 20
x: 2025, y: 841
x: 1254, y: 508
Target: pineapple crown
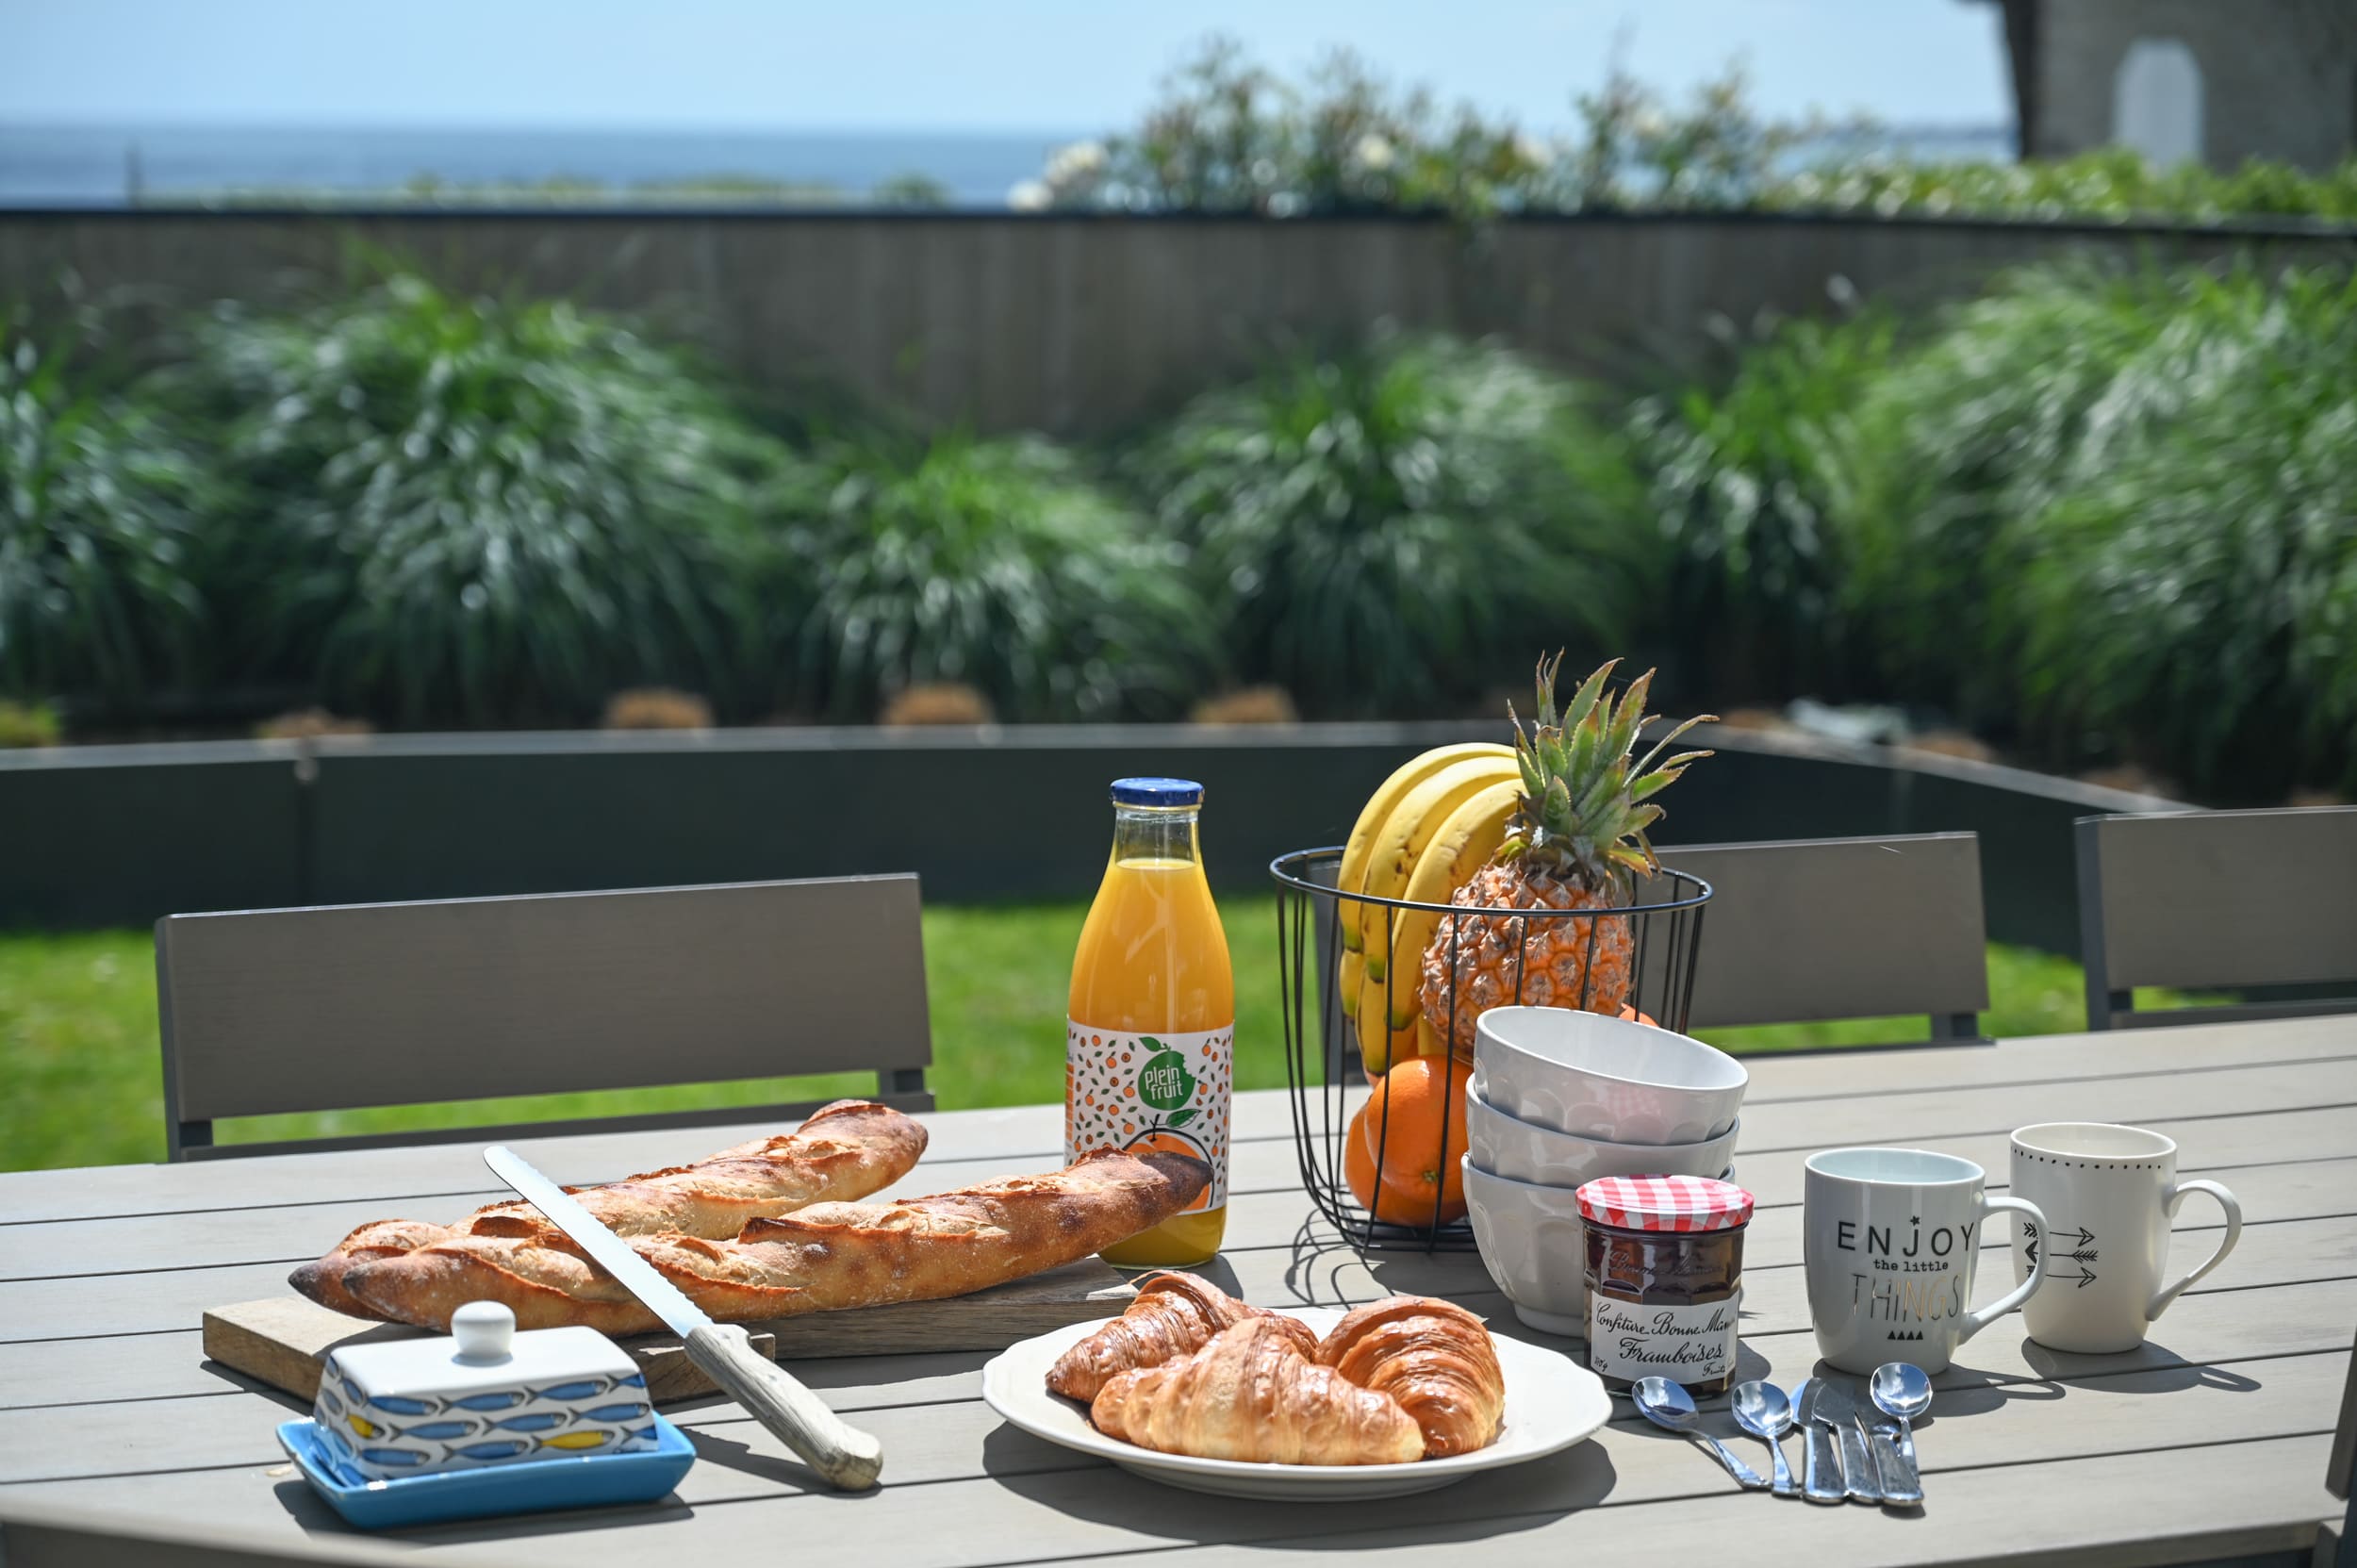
x: 1585, y: 805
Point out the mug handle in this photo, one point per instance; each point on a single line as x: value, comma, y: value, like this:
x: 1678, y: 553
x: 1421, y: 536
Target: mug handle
x: 2234, y: 1233
x: 1974, y: 1322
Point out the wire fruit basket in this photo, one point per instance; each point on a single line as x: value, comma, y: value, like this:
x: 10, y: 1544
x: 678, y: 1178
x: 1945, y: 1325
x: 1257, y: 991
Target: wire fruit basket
x: 1323, y: 1068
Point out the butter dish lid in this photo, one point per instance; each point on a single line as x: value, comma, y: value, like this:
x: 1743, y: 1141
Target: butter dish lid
x: 484, y: 1352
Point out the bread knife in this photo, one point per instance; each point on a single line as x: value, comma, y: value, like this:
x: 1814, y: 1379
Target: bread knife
x: 847, y: 1456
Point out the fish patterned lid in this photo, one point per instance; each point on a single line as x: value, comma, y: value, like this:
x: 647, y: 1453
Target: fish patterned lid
x: 484, y: 1352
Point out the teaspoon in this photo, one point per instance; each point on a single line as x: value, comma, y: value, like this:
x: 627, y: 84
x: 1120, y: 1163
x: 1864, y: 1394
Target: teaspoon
x: 1761, y: 1410
x: 1667, y: 1406
x: 1902, y: 1392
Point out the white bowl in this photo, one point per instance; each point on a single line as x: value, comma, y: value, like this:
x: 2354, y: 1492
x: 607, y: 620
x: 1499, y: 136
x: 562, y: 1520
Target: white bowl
x: 1524, y: 1151
x: 1607, y: 1078
x: 1534, y: 1246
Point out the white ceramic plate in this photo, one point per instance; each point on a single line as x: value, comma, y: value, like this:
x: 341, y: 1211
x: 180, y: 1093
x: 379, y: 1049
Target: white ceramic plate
x: 1551, y: 1403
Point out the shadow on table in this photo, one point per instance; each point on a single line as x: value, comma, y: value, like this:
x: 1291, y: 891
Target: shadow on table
x: 315, y: 1517
x: 1319, y: 1257
x: 237, y: 1379
x: 1485, y: 1507
x: 1962, y: 1392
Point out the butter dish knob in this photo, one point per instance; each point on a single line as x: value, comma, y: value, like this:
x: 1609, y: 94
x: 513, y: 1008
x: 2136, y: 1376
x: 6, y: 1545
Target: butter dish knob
x: 485, y: 1331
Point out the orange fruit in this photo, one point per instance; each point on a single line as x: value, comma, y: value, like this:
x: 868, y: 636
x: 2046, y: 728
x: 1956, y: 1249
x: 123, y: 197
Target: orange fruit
x: 1420, y: 1148
x: 1634, y: 1017
x: 1164, y: 1140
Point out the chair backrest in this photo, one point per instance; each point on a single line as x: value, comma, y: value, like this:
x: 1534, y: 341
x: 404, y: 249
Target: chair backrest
x: 2217, y: 899
x: 1814, y: 928
x: 351, y: 1005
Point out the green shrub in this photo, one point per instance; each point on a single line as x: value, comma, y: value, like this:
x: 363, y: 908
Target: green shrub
x: 99, y: 503
x: 482, y: 511
x: 1228, y: 135
x: 1750, y: 484
x: 1394, y: 530
x: 995, y: 563
x: 2192, y: 591
x: 2112, y: 184
x: 2013, y: 399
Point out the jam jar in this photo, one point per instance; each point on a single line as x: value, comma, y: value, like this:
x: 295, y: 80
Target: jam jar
x: 1665, y: 1279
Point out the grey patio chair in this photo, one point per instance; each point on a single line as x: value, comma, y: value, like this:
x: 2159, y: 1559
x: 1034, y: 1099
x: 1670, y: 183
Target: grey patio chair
x: 1808, y: 929
x: 2218, y: 899
x: 352, y: 1005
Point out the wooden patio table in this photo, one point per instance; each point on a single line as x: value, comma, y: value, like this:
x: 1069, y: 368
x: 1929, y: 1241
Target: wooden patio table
x: 2209, y: 1442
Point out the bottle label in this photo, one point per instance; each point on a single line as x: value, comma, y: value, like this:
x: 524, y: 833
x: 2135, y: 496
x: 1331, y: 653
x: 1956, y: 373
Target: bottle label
x: 1142, y: 1091
x: 1687, y: 1345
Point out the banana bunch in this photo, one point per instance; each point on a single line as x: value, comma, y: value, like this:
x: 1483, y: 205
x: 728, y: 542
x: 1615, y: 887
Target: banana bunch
x: 1424, y: 834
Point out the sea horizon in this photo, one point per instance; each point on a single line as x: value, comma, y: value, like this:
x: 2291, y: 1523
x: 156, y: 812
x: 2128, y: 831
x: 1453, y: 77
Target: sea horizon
x: 122, y: 165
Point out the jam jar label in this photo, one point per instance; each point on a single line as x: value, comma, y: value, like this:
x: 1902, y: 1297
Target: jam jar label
x: 1692, y: 1344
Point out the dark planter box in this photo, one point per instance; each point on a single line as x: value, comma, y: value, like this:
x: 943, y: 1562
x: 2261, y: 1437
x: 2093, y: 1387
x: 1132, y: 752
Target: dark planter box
x: 119, y: 835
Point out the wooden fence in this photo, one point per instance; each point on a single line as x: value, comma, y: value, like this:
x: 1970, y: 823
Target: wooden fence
x: 1082, y: 325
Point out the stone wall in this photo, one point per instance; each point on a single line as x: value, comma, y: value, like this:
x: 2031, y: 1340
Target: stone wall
x: 2279, y: 76
x: 1086, y: 325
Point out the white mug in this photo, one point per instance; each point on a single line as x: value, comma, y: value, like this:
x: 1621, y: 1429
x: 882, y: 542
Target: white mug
x: 1890, y: 1237
x: 2109, y: 1193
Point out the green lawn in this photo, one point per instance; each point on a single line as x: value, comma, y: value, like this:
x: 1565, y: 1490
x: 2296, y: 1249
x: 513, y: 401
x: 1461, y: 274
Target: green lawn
x: 79, y: 1081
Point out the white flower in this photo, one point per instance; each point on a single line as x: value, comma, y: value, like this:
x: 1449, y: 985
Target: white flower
x: 1532, y: 151
x: 1374, y: 151
x: 1650, y: 122
x: 1079, y: 161
x: 1030, y: 197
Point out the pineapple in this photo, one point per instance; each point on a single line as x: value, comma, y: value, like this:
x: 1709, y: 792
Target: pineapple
x: 1576, y: 841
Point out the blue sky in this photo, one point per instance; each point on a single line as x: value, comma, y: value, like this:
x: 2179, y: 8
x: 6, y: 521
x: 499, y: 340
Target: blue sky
x: 935, y: 64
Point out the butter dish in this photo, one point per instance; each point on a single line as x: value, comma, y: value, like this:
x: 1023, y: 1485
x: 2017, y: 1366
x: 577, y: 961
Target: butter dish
x: 486, y: 1396
x: 531, y: 1486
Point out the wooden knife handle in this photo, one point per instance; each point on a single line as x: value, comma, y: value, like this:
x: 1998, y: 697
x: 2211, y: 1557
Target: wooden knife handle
x: 846, y: 1456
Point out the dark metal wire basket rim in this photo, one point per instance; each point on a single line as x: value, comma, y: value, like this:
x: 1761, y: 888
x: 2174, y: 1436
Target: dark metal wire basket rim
x: 1281, y: 868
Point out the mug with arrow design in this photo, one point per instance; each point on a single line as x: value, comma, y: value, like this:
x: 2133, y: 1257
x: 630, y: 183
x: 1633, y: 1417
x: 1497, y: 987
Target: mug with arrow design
x: 2109, y: 1195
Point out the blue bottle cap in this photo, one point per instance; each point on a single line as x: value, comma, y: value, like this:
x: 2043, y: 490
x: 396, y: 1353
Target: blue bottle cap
x: 1157, y: 792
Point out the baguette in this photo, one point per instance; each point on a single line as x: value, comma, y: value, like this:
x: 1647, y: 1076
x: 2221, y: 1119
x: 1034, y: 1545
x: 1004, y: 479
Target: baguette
x: 845, y: 1151
x: 824, y: 1258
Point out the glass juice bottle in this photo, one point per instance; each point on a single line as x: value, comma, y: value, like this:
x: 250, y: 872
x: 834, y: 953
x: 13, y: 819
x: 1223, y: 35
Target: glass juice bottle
x: 1149, y: 1045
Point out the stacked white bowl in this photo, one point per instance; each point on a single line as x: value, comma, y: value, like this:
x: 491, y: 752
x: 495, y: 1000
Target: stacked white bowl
x: 1561, y: 1098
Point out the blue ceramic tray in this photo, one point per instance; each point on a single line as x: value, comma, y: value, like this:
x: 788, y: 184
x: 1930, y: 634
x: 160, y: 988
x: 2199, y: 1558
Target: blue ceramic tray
x: 576, y: 1480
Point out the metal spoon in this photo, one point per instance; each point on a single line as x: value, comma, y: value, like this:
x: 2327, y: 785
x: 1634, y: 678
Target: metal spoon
x: 1667, y: 1406
x: 1761, y: 1410
x: 1902, y: 1392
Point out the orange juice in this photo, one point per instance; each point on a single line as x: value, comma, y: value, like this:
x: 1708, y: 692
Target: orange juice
x: 1150, y: 1048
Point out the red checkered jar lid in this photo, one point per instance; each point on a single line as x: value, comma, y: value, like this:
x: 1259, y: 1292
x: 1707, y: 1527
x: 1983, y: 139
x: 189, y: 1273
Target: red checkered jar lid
x: 1664, y: 1203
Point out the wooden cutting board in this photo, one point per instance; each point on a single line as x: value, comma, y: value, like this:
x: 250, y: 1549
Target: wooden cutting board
x: 282, y: 1341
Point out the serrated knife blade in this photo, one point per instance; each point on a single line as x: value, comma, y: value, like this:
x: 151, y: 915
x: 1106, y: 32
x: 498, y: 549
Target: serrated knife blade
x: 606, y: 1250
x: 846, y: 1456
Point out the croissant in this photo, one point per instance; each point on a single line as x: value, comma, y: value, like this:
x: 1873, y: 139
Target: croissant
x: 1174, y: 1316
x: 844, y: 1150
x: 1434, y: 1359
x: 1250, y: 1393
